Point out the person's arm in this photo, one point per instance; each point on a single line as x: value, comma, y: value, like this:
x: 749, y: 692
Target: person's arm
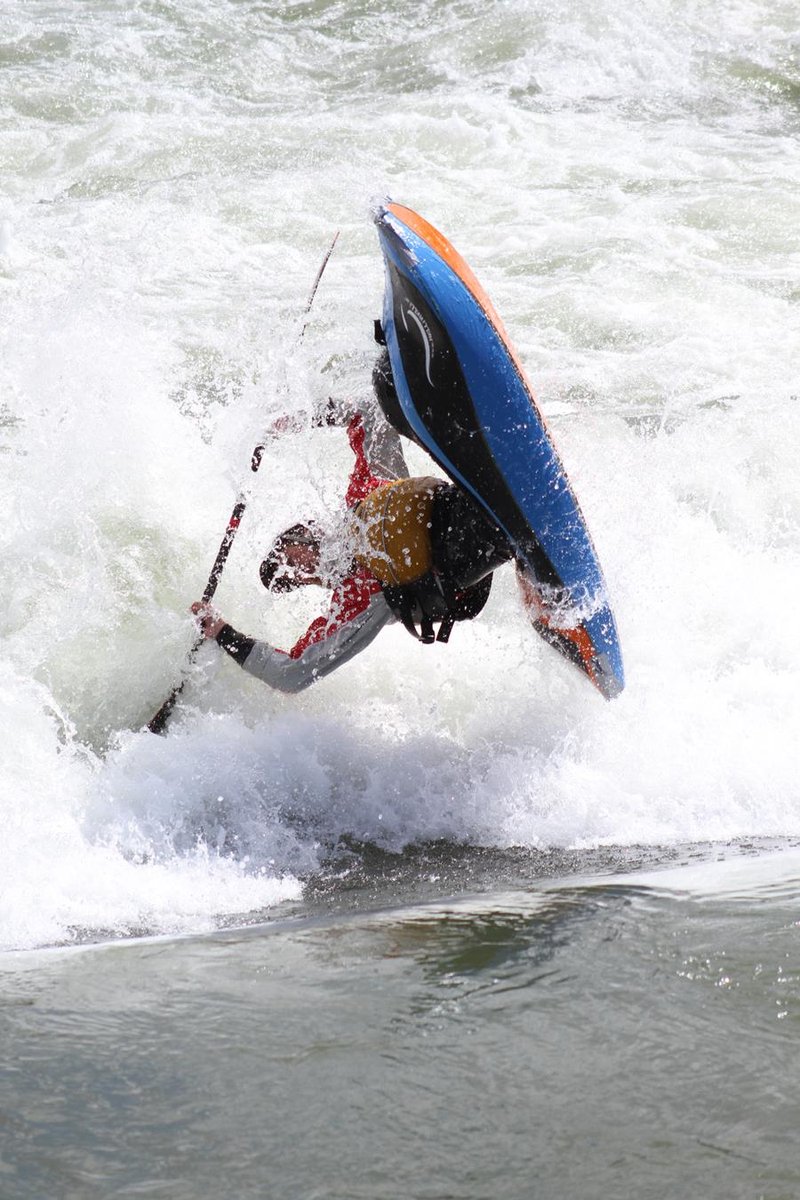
x: 383, y: 448
x: 328, y: 412
x: 357, y: 616
x: 293, y: 673
x: 380, y: 443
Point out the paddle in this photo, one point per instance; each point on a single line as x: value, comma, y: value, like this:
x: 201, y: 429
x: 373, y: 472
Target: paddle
x: 159, y: 722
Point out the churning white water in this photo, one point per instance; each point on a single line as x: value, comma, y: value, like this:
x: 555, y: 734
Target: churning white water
x: 626, y: 186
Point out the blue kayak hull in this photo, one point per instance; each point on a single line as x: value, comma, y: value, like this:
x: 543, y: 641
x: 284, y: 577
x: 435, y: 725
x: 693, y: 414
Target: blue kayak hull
x: 464, y: 394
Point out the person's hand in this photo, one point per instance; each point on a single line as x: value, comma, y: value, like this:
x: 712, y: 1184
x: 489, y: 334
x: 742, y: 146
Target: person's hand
x: 209, y: 620
x: 288, y: 423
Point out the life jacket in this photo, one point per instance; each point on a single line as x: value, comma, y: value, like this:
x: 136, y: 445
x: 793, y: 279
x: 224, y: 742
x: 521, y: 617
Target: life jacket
x: 392, y: 530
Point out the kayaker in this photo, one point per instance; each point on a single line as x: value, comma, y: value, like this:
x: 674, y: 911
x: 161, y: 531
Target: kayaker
x: 417, y: 550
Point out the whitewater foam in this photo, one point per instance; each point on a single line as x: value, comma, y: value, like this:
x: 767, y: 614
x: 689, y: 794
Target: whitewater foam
x: 170, y: 191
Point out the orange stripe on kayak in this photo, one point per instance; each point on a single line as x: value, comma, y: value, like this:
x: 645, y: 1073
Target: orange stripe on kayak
x: 577, y: 635
x: 582, y: 643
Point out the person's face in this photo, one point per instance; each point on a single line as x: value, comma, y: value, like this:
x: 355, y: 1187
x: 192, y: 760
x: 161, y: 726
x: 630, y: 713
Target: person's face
x: 302, y: 565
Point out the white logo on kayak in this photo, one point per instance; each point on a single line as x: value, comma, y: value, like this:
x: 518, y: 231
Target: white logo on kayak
x: 427, y: 339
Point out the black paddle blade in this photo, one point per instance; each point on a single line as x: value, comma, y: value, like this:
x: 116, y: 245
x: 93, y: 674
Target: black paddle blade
x: 159, y: 722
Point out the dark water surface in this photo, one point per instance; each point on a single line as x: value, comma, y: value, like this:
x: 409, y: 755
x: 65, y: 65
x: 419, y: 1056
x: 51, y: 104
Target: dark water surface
x: 583, y: 1036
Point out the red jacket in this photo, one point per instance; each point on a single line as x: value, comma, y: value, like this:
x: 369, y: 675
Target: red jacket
x: 356, y: 614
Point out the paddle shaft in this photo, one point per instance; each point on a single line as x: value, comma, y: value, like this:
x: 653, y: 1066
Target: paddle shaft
x: 159, y: 722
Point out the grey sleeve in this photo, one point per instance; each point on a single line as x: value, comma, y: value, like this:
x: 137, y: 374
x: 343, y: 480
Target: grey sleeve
x: 291, y: 675
x: 382, y: 446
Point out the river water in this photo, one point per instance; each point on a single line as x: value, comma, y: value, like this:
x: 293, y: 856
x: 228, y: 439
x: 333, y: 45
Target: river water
x: 446, y: 925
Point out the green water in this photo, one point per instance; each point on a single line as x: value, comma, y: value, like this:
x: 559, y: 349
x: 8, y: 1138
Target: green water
x: 619, y: 1036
